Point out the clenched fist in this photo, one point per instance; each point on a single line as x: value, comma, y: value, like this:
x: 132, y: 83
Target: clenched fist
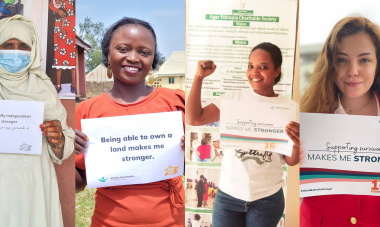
x: 205, y: 68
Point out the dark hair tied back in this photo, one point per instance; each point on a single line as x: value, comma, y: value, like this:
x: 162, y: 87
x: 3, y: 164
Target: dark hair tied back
x: 127, y: 21
x: 204, y: 142
x: 275, y: 54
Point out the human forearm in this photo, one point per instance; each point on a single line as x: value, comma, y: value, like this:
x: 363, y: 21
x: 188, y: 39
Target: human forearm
x: 80, y: 181
x: 195, y: 114
x: 193, y: 103
x: 58, y: 152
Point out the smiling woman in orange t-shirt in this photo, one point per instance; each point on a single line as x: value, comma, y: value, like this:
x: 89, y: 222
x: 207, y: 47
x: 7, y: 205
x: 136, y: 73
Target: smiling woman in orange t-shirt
x: 130, y: 50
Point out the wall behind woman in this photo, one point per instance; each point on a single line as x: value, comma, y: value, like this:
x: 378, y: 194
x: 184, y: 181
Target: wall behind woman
x: 66, y: 173
x: 292, y: 207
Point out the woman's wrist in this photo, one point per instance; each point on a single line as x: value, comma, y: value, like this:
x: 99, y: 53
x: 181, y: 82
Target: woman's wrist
x: 198, y: 77
x: 58, y: 145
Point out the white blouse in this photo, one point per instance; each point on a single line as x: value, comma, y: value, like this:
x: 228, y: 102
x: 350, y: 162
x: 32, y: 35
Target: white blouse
x: 29, y: 195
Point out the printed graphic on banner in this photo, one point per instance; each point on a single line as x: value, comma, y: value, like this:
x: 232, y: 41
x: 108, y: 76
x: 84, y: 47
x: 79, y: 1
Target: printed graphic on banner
x: 204, y: 147
x: 201, y: 187
x: 61, y: 52
x: 9, y: 8
x: 340, y: 160
x: 131, y: 150
x: 198, y: 219
x: 20, y: 131
x: 261, y: 126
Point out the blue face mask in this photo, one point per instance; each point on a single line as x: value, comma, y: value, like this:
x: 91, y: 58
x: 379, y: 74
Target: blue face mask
x: 14, y: 60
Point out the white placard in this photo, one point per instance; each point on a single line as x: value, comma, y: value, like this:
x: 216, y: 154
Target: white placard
x: 256, y: 125
x: 133, y: 149
x: 20, y: 131
x: 342, y: 154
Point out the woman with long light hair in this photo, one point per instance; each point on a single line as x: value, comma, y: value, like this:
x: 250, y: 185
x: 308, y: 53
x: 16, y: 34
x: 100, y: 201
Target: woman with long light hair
x: 345, y: 80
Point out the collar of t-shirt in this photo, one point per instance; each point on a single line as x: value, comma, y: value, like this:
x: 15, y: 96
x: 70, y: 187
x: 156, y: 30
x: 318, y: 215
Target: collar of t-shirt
x: 340, y: 109
x: 251, y: 92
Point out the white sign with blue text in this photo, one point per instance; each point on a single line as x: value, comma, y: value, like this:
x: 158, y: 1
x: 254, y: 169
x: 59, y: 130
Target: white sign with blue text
x: 133, y: 149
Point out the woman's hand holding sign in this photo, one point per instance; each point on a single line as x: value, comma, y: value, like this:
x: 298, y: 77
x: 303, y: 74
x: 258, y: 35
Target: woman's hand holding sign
x: 80, y: 147
x: 183, y: 142
x: 53, y: 132
x: 80, y: 142
x: 293, y: 131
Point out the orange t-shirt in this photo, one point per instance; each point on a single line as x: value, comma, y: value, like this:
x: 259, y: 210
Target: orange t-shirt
x: 153, y: 204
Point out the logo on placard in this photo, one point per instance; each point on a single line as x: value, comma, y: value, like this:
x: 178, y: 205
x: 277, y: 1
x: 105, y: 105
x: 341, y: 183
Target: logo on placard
x: 375, y: 188
x: 102, y: 180
x: 171, y: 170
x: 25, y: 147
x: 272, y: 107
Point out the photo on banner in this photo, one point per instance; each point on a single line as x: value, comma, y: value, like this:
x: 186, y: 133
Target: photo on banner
x: 204, y: 147
x: 61, y: 48
x: 201, y: 187
x: 9, y: 8
x: 195, y: 219
x: 225, y: 34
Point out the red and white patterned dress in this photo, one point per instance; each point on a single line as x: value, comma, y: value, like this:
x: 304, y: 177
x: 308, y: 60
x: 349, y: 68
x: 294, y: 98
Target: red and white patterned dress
x: 64, y: 44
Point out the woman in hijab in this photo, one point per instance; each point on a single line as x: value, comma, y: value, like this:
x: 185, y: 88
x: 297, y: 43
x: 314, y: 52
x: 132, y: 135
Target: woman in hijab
x: 28, y: 183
